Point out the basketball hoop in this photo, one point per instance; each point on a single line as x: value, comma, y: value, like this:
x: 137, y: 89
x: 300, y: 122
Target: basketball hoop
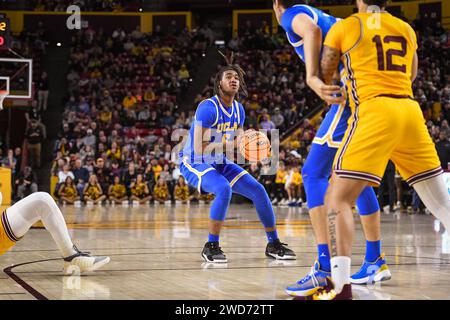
x: 3, y: 95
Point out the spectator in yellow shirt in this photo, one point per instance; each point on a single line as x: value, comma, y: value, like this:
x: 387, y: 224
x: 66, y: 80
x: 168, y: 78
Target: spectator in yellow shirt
x: 280, y: 180
x: 68, y: 191
x: 129, y: 101
x: 263, y: 113
x: 166, y: 52
x: 156, y: 169
x: 149, y: 95
x: 137, y: 50
x: 117, y: 192
x: 114, y: 153
x: 254, y: 105
x: 105, y: 115
x: 93, y: 191
x: 139, y: 190
x: 183, y: 73
x: 181, y: 192
x: 265, y: 28
x: 205, y: 198
x: 161, y: 192
x: 294, y: 187
x: 96, y: 74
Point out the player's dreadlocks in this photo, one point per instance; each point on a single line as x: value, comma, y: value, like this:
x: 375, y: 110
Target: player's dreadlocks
x: 234, y: 67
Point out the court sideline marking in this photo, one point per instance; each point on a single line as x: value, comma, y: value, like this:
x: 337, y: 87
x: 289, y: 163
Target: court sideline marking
x: 39, y: 296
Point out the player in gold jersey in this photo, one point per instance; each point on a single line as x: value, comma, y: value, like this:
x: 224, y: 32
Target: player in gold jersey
x: 16, y: 220
x: 379, y: 54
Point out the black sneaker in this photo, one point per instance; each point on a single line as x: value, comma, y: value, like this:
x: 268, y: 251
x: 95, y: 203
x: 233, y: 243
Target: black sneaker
x: 213, y: 253
x: 279, y: 251
x: 83, y: 262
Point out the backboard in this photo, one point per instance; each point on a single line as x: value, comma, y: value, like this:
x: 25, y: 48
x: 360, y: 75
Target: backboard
x: 16, y: 77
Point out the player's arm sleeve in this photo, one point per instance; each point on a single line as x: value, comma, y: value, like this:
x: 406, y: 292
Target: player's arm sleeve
x: 206, y: 114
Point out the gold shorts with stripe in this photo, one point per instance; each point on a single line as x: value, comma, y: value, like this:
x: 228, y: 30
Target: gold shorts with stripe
x: 386, y: 128
x: 7, y: 237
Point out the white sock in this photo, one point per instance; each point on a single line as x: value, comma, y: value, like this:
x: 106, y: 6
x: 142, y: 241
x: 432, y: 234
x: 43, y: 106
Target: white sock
x: 340, y: 272
x: 40, y: 206
x: 434, y: 194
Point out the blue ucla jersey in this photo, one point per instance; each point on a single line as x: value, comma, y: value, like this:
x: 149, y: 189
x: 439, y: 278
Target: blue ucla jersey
x: 332, y: 129
x: 223, y: 122
x: 323, y: 20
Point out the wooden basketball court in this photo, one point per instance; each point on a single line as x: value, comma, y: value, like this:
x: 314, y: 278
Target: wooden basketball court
x: 155, y: 254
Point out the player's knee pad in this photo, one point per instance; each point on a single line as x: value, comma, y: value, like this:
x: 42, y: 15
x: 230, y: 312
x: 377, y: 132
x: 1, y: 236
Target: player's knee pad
x: 367, y: 202
x: 254, y: 189
x: 39, y: 196
x: 42, y: 197
x: 315, y: 182
x: 259, y: 188
x: 44, y: 202
x: 263, y: 205
x: 250, y: 188
x: 259, y: 194
x: 222, y: 192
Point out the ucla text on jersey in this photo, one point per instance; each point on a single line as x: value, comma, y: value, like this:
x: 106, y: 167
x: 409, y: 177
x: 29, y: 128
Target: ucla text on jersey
x: 223, y: 121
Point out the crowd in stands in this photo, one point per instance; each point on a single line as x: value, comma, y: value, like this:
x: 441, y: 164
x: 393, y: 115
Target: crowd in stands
x: 330, y: 2
x: 123, y: 96
x: 336, y: 2
x: 85, y: 5
x: 121, y: 5
x: 432, y: 91
x: 432, y: 86
x: 279, y: 98
x: 122, y: 108
x: 115, y: 140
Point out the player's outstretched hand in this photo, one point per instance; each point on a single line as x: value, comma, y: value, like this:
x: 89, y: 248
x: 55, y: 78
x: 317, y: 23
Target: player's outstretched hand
x: 331, y: 94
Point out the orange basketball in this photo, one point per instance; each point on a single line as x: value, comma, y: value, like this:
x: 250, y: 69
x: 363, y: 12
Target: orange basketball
x: 254, y: 146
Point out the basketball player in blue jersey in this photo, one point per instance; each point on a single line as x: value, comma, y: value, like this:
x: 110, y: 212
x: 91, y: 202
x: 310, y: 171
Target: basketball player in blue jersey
x: 217, y: 127
x: 306, y: 28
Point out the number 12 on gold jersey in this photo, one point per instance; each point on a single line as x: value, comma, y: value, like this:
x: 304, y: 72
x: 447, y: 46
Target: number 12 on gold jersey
x: 390, y: 66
